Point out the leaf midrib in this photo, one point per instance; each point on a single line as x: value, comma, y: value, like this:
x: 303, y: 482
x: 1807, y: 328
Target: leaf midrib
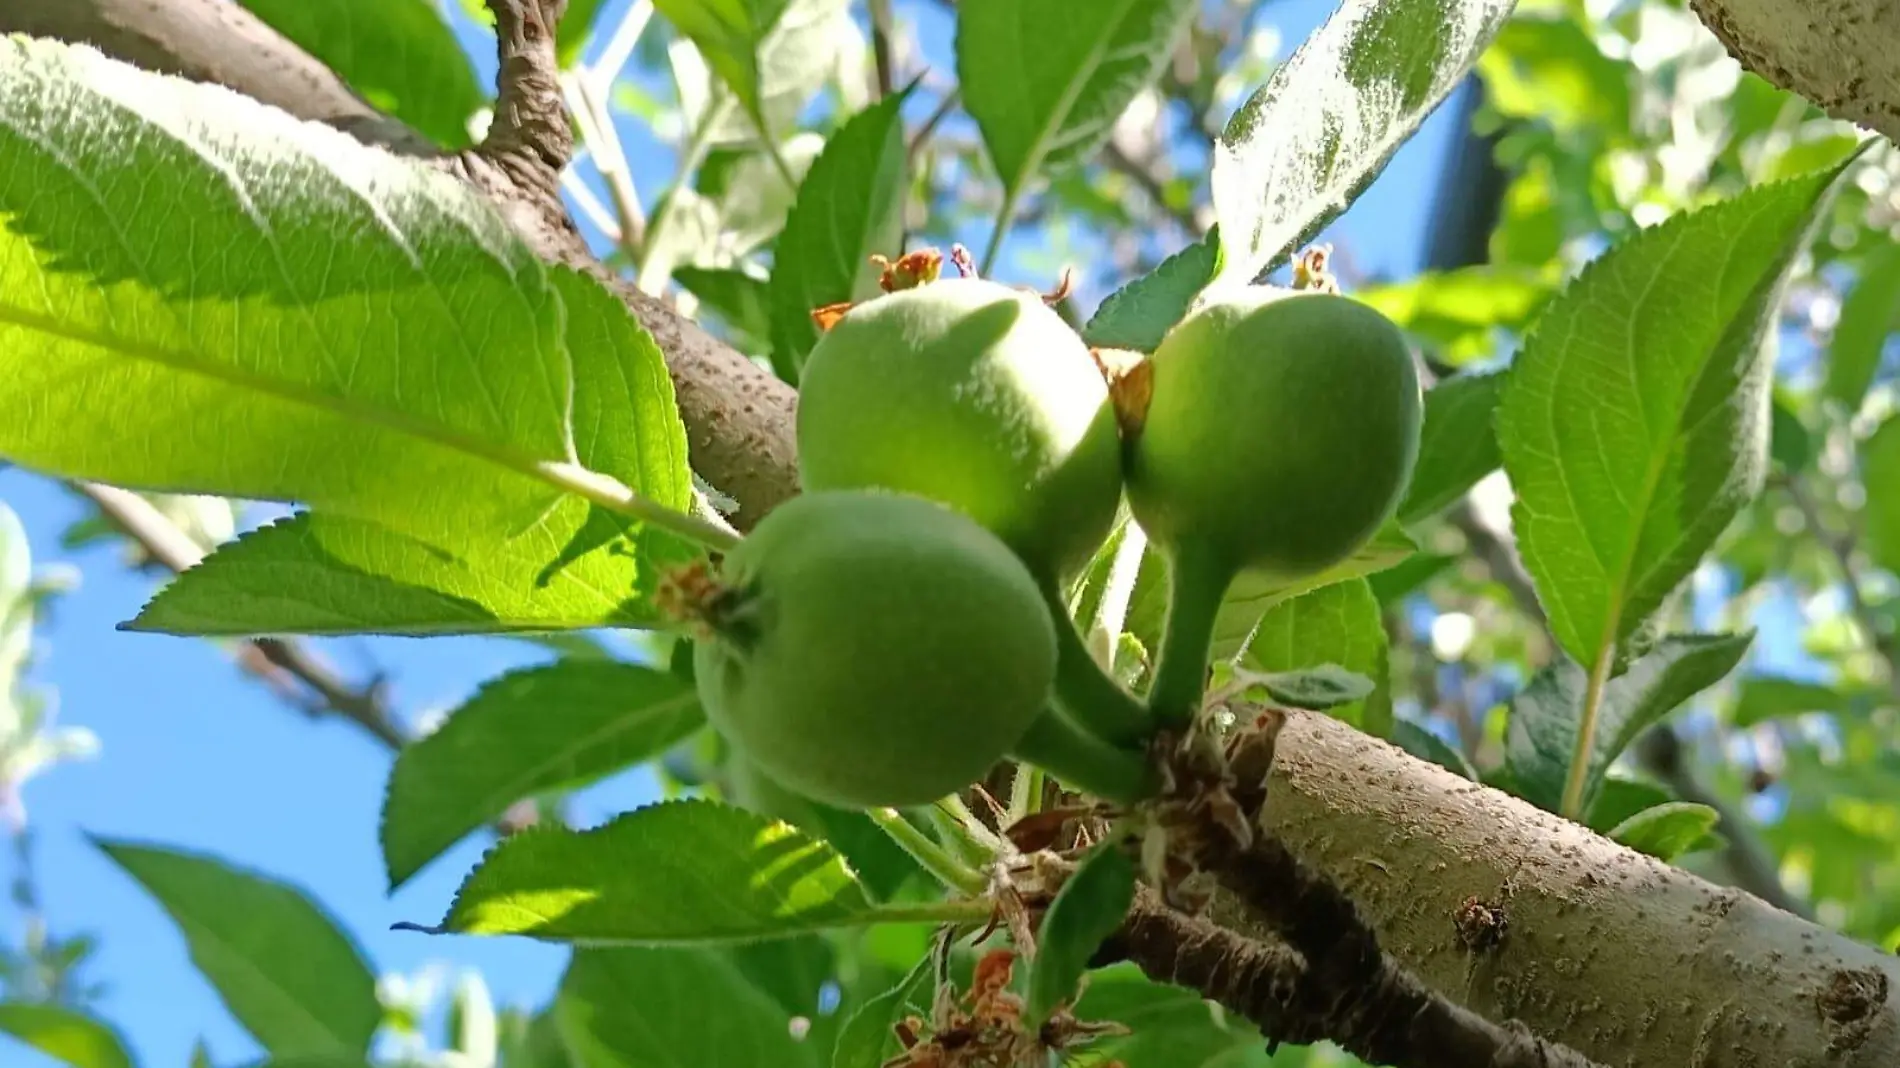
x: 1032, y: 161
x: 513, y: 461
x: 230, y: 953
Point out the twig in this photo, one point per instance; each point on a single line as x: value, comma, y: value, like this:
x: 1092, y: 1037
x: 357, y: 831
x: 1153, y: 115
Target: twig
x: 530, y: 120
x: 1394, y: 1020
x: 935, y: 119
x: 1143, y: 174
x: 1842, y: 547
x: 882, y: 32
x: 159, y: 536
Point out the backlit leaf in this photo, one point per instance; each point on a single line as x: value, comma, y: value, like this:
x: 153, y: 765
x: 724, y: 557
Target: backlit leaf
x: 1668, y: 830
x: 280, y: 963
x: 66, y: 1035
x: 535, y: 730
x: 1298, y: 151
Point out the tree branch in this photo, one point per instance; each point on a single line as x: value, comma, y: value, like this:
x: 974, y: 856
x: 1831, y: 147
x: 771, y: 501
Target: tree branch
x: 1839, y: 54
x: 160, y: 537
x: 1625, y: 959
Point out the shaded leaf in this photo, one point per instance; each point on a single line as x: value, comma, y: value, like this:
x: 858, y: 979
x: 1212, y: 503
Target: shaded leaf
x: 1304, y: 145
x: 642, y: 879
x: 1253, y: 594
x: 1634, y: 423
x: 1138, y: 315
x: 1456, y: 445
x: 397, y: 54
x: 528, y: 732
x: 1089, y: 907
x: 850, y: 206
x: 1315, y: 689
x: 1399, y: 581
x: 1425, y: 745
x: 1669, y: 830
x: 581, y: 566
x: 279, y: 962
x: 1790, y: 443
x: 1543, y: 727
x: 66, y: 1035
x: 1046, y: 82
x: 867, y: 1040
x: 1870, y: 316
x: 577, y: 25
x: 1338, y: 625
x: 1880, y: 473
x: 739, y: 297
x: 1766, y: 697
x: 1619, y: 799
x: 642, y: 1007
x: 372, y: 339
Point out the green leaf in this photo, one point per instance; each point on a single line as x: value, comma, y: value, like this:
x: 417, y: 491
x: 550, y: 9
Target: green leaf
x: 1173, y: 1026
x: 1618, y: 799
x: 1252, y: 595
x: 1791, y: 444
x: 280, y: 963
x: 1046, y: 82
x: 1302, y: 147
x: 525, y: 733
x: 642, y: 879
x: 577, y: 25
x: 1425, y: 745
x: 581, y: 567
x: 66, y: 1035
x: 1870, y: 316
x: 1669, y: 830
x: 1090, y: 906
x: 1339, y: 625
x: 1880, y: 473
x: 867, y: 1040
x: 739, y: 297
x: 1457, y: 314
x: 371, y: 339
x: 1395, y: 583
x: 850, y: 206
x: 1315, y: 689
x: 398, y: 54
x: 760, y: 49
x: 1769, y: 697
x: 1634, y: 423
x: 1456, y: 446
x: 1543, y: 728
x: 1138, y: 315
x: 648, y: 1007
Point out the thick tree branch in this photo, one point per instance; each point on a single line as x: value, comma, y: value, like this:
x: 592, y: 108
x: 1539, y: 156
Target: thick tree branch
x: 1840, y: 54
x: 1392, y: 1020
x: 1625, y: 959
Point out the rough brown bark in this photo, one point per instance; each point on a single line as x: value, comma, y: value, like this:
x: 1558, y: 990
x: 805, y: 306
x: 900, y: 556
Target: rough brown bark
x: 1844, y: 55
x: 1627, y: 960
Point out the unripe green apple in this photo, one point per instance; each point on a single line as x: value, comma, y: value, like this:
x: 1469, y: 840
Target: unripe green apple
x: 871, y: 648
x: 975, y: 394
x: 1281, y: 431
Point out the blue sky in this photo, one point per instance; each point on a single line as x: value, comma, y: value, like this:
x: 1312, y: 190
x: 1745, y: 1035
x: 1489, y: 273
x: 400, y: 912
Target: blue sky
x: 196, y: 755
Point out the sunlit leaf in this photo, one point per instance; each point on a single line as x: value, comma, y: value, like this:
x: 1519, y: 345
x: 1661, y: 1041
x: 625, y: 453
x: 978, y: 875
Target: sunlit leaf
x: 535, y: 730
x: 398, y: 54
x: 372, y: 339
x: 66, y: 1035
x: 642, y: 879
x: 1303, y: 146
x: 280, y: 963
x: 1045, y: 82
x: 1634, y: 423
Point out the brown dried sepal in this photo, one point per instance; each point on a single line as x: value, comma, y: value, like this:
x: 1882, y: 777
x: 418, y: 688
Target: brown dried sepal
x: 693, y: 595
x: 985, y: 1029
x: 1214, y: 784
x: 826, y: 316
x: 910, y: 270
x: 1131, y: 387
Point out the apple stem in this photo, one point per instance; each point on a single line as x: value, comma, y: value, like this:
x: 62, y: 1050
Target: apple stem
x: 1199, y: 581
x: 1097, y: 703
x: 1085, y: 762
